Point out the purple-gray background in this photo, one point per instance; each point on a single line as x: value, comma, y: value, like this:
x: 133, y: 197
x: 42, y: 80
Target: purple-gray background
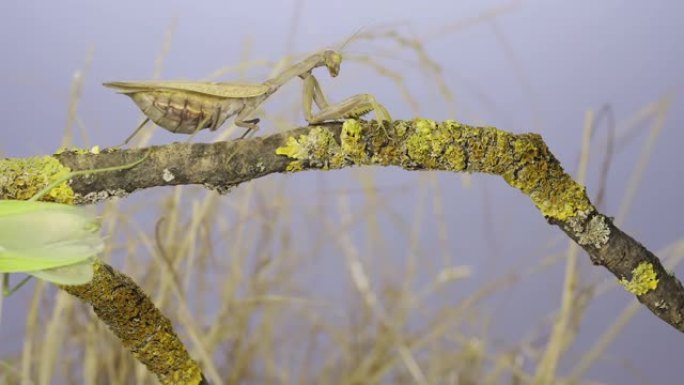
x: 536, y: 67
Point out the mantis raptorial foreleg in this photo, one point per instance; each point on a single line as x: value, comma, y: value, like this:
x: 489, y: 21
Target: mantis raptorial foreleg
x: 352, y: 107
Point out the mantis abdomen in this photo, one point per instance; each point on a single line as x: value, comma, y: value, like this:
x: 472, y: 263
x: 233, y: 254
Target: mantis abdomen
x: 183, y: 112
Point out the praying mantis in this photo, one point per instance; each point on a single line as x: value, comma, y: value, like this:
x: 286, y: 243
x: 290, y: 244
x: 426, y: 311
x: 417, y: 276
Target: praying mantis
x: 186, y: 107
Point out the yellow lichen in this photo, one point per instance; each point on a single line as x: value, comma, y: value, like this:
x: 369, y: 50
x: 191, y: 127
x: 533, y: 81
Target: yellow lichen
x: 455, y: 158
x: 139, y: 324
x: 401, y: 127
x: 644, y: 279
x: 429, y: 142
x: 523, y: 160
x: 292, y: 149
x: 539, y: 175
x: 295, y: 165
x: 81, y: 151
x: 23, y: 178
x: 425, y: 126
x: 318, y: 148
x: 352, y: 144
x: 77, y: 150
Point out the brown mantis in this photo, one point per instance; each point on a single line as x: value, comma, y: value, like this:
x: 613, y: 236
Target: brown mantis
x: 186, y: 107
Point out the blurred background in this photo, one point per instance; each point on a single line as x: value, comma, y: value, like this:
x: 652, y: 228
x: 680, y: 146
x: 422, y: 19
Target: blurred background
x: 375, y: 275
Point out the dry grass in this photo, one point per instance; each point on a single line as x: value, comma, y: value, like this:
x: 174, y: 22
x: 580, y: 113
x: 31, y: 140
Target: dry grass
x: 232, y: 271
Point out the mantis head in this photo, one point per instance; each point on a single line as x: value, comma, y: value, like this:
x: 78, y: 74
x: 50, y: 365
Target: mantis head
x: 332, y: 60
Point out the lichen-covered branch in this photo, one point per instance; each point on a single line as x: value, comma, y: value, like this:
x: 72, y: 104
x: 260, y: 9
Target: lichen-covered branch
x: 218, y: 166
x: 140, y: 326
x: 523, y: 160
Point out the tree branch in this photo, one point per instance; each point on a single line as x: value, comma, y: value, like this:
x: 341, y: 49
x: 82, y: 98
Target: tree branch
x: 523, y: 160
x: 141, y: 327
